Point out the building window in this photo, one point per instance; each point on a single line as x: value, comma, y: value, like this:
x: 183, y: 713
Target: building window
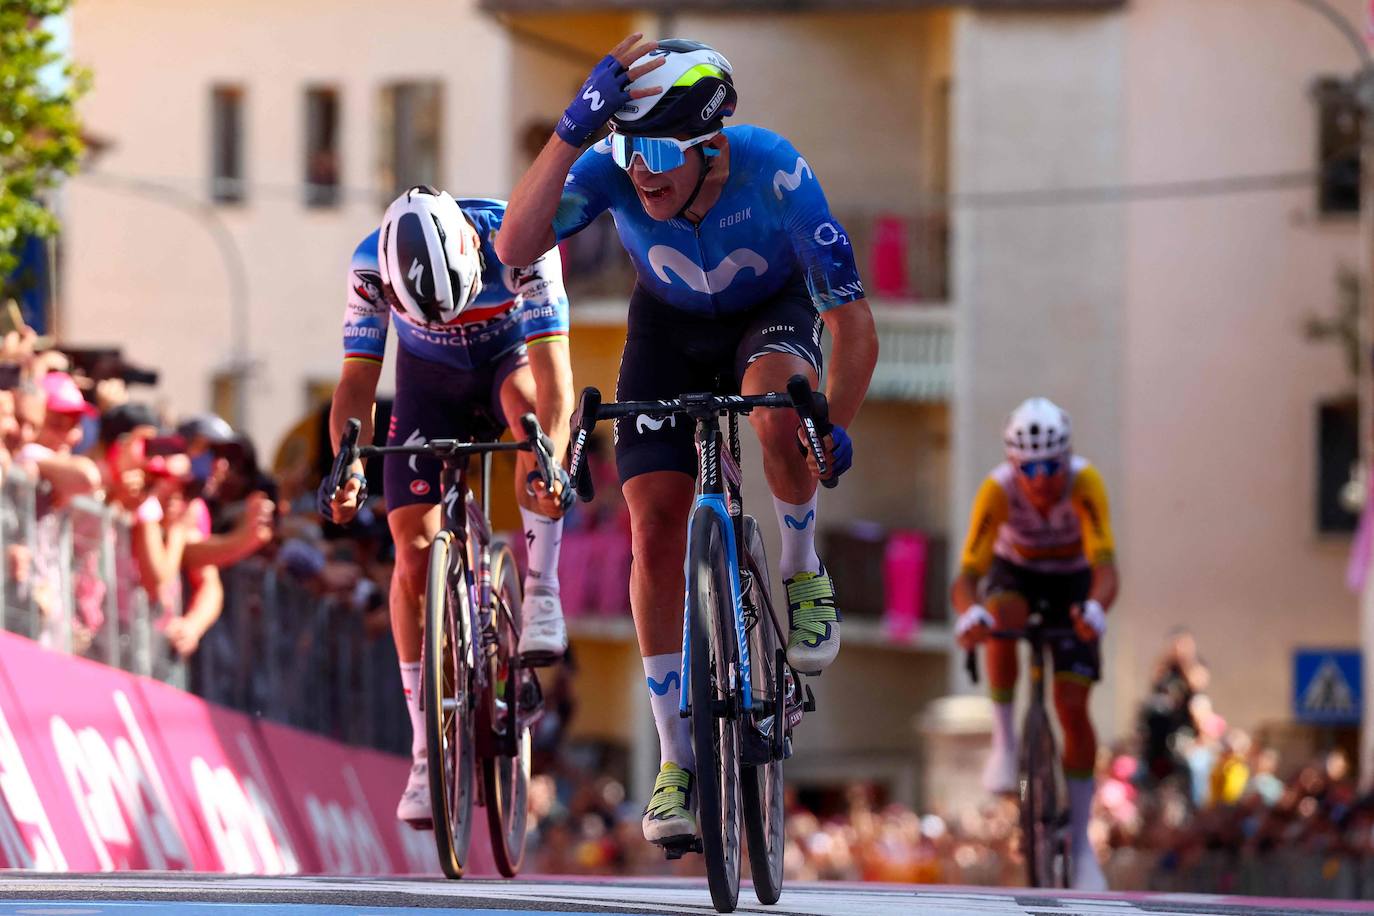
x: 411, y: 118
x: 226, y: 144
x: 1339, y: 124
x: 321, y: 147
x: 1338, y: 453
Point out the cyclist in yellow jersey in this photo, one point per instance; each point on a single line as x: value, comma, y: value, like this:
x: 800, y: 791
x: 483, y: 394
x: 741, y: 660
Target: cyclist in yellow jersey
x: 1040, y: 530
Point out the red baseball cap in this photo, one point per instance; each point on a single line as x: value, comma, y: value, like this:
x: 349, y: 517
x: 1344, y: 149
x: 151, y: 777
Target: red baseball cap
x: 64, y: 397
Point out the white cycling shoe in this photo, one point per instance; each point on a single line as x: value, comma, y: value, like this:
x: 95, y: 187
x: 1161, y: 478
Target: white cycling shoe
x: 414, y: 807
x: 1087, y: 874
x: 544, y: 635
x: 1002, y: 772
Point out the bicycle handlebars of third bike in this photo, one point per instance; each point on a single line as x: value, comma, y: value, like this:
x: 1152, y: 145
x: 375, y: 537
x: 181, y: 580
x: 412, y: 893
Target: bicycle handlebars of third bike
x: 536, y: 441
x: 811, y: 407
x: 1045, y: 634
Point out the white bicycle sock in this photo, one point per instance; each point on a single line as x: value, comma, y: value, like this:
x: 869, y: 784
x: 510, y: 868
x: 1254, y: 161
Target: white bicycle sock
x: 543, y: 537
x: 1081, y: 793
x: 663, y: 676
x: 1004, y: 726
x: 410, y: 680
x: 797, y: 525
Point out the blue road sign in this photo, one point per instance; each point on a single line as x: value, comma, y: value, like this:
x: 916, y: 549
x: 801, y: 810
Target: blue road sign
x: 1327, y: 686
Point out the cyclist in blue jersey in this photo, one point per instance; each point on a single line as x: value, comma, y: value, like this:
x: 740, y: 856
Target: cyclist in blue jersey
x: 479, y: 345
x: 740, y: 265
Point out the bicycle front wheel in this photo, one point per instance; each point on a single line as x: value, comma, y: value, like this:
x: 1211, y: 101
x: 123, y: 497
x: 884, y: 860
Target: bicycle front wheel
x: 1046, y: 864
x: 761, y: 784
x: 506, y: 774
x: 715, y: 729
x: 448, y: 708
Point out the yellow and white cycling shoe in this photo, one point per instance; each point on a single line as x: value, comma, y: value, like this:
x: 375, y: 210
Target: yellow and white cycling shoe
x: 814, y: 638
x: 668, y: 817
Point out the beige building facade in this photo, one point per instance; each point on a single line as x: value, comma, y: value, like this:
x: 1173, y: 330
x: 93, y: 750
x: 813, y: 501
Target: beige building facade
x: 1072, y: 260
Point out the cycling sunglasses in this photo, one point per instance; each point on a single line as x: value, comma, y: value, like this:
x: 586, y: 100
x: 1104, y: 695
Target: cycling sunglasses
x: 659, y: 154
x: 1046, y: 466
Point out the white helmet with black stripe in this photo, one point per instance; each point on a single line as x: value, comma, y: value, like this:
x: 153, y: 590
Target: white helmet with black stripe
x: 1036, y: 430
x: 430, y: 256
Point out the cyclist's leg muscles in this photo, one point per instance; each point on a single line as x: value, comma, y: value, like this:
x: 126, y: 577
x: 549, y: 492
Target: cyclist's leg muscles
x: 1005, y: 598
x: 412, y: 528
x: 656, y: 461
x: 1071, y: 695
x: 1010, y: 610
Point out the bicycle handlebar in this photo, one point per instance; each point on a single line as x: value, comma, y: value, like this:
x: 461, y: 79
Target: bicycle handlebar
x: 811, y: 409
x: 536, y: 441
x: 971, y: 657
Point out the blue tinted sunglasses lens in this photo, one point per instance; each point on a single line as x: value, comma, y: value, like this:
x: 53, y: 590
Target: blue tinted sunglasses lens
x: 1032, y: 469
x: 659, y: 154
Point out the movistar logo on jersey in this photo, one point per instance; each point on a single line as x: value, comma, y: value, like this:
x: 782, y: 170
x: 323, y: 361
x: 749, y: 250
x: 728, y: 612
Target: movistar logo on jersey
x: 663, y: 258
x: 793, y: 180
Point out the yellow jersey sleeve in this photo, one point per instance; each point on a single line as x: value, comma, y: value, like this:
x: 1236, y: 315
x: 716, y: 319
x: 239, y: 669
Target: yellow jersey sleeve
x: 1090, y: 500
x: 990, y: 511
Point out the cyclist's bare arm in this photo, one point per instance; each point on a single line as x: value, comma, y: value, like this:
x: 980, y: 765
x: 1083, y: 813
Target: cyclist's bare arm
x: 527, y: 229
x: 553, y: 384
x: 1106, y: 583
x: 963, y: 594
x: 355, y: 396
x: 852, y: 357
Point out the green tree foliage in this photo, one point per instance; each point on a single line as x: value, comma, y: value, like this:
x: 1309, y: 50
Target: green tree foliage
x: 40, y: 137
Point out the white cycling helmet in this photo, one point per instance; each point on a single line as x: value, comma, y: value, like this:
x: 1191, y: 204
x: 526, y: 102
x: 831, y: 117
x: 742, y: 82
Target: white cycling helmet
x: 430, y: 256
x: 1036, y: 430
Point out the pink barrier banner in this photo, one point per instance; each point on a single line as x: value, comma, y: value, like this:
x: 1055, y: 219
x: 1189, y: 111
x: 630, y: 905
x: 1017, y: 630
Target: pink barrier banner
x: 222, y: 769
x: 105, y: 789
x: 345, y: 800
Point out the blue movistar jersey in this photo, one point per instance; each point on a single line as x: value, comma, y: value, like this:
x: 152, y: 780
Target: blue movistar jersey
x: 517, y: 305
x: 770, y: 223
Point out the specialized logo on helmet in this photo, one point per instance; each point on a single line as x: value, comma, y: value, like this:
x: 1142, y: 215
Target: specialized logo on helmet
x: 711, y: 106
x: 415, y: 275
x: 791, y: 181
x: 664, y: 258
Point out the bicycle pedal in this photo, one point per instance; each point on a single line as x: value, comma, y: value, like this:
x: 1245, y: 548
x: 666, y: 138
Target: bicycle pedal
x: 809, y: 704
x: 540, y: 659
x: 675, y: 848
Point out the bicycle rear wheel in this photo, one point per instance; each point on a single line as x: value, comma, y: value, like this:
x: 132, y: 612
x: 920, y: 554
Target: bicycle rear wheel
x: 506, y: 777
x: 447, y: 695
x: 1041, y: 834
x: 762, y: 784
x: 715, y: 729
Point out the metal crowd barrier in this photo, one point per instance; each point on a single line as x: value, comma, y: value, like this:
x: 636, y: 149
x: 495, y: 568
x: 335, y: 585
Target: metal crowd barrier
x: 68, y: 580
x: 64, y: 584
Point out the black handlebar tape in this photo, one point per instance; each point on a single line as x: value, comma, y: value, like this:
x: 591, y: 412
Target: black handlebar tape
x: 814, y: 412
x: 541, y: 446
x: 348, y: 453
x: 971, y: 665
x: 587, y: 408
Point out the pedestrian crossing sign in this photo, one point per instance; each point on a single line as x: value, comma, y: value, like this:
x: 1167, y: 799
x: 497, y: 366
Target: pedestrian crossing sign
x: 1327, y: 686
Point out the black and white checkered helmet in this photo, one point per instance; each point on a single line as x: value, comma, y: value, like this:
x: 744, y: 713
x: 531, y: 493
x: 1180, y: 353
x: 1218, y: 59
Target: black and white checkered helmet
x: 1037, y: 429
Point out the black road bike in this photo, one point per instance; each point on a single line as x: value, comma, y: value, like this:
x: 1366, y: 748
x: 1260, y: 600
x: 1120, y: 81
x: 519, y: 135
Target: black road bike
x: 738, y: 690
x: 478, y: 699
x: 1045, y: 838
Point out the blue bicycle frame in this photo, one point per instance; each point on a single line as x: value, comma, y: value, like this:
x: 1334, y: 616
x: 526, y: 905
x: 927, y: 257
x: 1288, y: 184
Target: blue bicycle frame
x: 719, y: 493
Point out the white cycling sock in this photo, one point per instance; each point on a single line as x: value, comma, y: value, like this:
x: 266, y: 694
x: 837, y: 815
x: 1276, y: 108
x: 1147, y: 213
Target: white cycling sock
x: 797, y: 524
x: 543, y: 537
x: 663, y: 677
x: 1080, y: 813
x: 410, y: 680
x: 1004, y: 726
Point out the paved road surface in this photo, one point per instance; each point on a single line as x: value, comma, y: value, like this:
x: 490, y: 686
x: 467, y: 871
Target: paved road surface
x: 135, y: 894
